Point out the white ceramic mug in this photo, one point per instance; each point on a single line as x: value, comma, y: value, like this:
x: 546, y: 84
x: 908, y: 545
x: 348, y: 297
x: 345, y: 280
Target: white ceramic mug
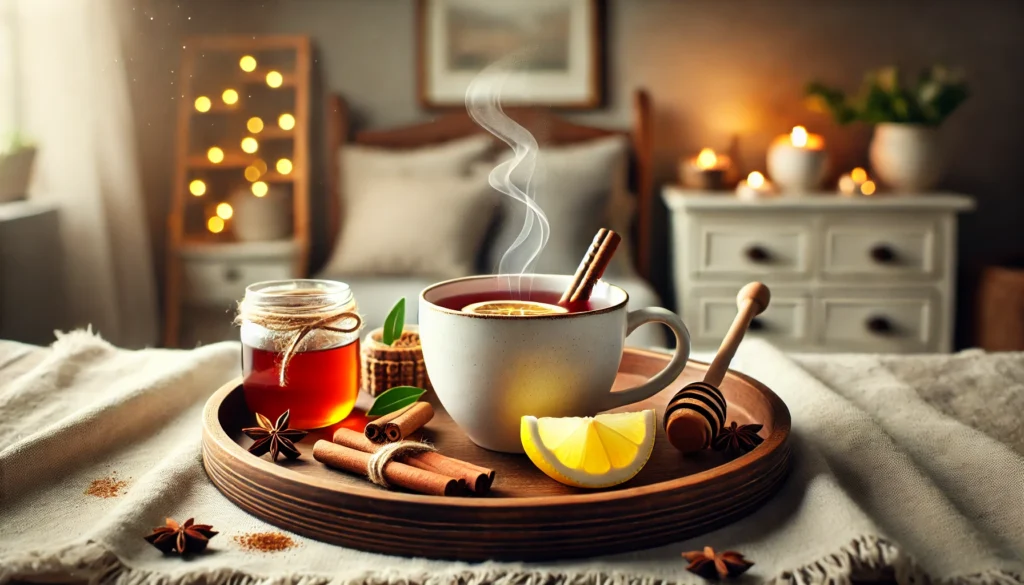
x: 490, y: 370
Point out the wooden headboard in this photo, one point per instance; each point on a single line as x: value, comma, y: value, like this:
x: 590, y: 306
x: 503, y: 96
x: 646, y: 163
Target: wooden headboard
x: 548, y: 129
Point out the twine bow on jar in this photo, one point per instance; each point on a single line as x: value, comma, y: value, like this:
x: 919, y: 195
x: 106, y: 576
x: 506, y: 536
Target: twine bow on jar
x: 297, y: 313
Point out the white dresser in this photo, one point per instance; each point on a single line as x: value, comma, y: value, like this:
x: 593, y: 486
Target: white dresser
x: 866, y: 274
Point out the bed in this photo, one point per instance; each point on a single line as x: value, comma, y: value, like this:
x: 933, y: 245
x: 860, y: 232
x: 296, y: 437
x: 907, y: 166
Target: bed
x: 377, y: 292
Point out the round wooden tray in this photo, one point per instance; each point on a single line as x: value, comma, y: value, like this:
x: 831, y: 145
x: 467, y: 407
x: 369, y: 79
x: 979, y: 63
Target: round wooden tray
x: 527, y: 516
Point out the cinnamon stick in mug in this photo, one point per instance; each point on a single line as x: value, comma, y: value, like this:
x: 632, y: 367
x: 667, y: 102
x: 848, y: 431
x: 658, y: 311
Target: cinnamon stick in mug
x: 591, y: 268
x: 477, y: 479
x: 396, y: 473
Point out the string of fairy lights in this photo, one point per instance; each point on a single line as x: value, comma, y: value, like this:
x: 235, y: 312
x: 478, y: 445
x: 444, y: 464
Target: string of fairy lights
x: 255, y: 171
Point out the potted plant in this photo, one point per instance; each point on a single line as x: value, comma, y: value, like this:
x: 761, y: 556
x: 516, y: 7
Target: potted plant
x: 392, y: 355
x: 905, y: 152
x: 16, y: 159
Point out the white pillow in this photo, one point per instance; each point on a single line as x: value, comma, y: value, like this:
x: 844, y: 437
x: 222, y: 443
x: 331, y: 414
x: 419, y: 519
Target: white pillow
x: 581, y: 188
x: 413, y: 226
x: 362, y: 163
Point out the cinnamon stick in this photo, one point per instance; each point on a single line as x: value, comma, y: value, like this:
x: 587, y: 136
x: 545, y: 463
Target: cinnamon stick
x: 410, y: 421
x: 375, y: 429
x: 591, y: 268
x: 477, y: 479
x: 421, y: 481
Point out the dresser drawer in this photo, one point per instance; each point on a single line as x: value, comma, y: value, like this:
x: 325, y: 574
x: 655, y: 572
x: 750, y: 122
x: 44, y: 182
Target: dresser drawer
x: 904, y: 322
x: 208, y: 281
x: 785, y: 322
x: 866, y: 247
x: 753, y: 247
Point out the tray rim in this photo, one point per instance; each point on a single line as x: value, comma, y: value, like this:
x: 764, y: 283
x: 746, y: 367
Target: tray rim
x: 214, y: 436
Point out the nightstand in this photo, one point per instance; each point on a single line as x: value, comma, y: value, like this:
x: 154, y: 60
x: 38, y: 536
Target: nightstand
x: 31, y: 278
x: 214, y: 277
x: 858, y: 274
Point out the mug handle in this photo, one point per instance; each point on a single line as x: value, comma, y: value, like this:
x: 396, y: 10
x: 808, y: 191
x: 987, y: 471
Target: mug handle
x: 670, y: 372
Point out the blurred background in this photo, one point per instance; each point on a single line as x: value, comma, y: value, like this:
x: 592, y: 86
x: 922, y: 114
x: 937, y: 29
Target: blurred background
x: 105, y: 94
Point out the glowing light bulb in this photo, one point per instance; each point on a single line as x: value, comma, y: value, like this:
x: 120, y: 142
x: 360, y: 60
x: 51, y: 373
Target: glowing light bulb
x: 252, y: 173
x: 286, y: 121
x: 255, y: 125
x: 274, y: 79
x: 250, y: 145
x: 859, y: 175
x: 224, y: 210
x: 203, y: 104
x: 215, y: 225
x: 197, y: 188
x: 247, y: 63
x: 868, y: 188
x: 798, y: 136
x: 260, y: 165
x: 215, y: 155
x: 259, y: 188
x: 755, y: 180
x: 284, y: 166
x: 707, y: 159
x: 229, y: 96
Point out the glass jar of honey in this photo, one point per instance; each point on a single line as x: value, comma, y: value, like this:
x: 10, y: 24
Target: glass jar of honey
x: 300, y: 350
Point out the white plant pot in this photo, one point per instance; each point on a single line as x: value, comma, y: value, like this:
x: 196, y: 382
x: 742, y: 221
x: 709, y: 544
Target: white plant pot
x: 15, y: 173
x: 907, y: 158
x: 264, y: 218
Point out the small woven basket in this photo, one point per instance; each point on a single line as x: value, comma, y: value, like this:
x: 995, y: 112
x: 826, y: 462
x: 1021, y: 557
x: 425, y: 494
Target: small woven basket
x: 400, y: 364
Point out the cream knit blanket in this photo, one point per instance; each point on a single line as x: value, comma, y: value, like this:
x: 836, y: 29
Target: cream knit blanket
x: 906, y: 468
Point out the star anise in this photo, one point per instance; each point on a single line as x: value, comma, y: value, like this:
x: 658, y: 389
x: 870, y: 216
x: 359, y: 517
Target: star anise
x: 711, y: 565
x: 183, y: 539
x: 274, y: 438
x: 737, y: 440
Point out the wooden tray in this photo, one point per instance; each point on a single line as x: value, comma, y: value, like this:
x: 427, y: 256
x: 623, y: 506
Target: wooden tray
x: 527, y: 516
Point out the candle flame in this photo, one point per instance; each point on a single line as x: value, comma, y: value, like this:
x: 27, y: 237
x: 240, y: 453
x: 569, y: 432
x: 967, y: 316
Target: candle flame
x: 798, y: 136
x: 859, y: 175
x: 707, y: 159
x: 755, y: 180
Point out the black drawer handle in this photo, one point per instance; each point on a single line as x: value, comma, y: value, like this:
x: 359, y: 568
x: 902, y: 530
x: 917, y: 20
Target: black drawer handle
x: 757, y: 325
x: 232, y: 274
x: 757, y: 253
x: 882, y: 254
x: 879, y: 325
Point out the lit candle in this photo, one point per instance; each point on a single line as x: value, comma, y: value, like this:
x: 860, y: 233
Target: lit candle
x: 797, y: 161
x: 856, y: 182
x: 706, y: 171
x: 755, y: 186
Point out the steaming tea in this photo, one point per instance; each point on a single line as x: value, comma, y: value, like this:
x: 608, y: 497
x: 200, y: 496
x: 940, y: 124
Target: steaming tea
x: 514, y: 308
x: 321, y: 389
x: 543, y: 298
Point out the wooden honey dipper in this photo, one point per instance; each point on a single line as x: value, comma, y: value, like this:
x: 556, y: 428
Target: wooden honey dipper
x: 696, y: 414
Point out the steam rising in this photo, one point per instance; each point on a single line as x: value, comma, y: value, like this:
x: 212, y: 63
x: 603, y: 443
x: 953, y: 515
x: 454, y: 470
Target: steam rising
x: 484, y: 106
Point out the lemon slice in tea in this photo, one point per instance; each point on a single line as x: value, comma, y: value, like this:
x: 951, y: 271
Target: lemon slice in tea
x: 597, y: 452
x: 513, y: 308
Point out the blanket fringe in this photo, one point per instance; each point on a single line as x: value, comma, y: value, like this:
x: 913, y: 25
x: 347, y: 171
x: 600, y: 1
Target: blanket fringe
x: 866, y: 558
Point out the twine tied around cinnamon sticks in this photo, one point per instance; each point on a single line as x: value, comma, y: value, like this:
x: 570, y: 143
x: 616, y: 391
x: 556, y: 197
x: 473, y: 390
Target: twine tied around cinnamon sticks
x: 384, y: 455
x: 298, y: 312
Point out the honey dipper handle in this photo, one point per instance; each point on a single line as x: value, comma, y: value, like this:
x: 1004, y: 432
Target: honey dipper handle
x: 751, y: 301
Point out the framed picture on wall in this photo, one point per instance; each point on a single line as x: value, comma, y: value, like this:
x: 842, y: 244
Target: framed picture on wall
x: 556, y: 46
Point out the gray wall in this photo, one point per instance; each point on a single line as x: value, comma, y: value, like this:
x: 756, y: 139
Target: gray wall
x: 716, y: 69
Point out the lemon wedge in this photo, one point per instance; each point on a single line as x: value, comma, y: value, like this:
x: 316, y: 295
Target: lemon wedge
x: 597, y: 452
x: 513, y: 308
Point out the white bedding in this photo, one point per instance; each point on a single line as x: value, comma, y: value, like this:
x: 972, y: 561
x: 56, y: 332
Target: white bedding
x: 888, y: 481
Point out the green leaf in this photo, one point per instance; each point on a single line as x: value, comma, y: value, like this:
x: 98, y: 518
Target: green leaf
x: 394, y: 399
x: 394, y: 324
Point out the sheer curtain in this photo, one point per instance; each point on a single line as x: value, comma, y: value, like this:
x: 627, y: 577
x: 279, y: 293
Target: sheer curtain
x: 75, y: 105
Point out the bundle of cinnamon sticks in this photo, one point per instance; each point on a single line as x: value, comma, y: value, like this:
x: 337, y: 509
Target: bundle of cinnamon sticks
x: 428, y: 472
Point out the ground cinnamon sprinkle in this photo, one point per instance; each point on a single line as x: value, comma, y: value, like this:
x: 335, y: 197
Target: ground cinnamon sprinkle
x: 265, y: 541
x: 107, y: 487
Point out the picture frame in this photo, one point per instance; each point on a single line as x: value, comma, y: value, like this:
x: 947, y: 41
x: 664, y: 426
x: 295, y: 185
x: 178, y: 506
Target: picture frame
x: 557, y: 44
